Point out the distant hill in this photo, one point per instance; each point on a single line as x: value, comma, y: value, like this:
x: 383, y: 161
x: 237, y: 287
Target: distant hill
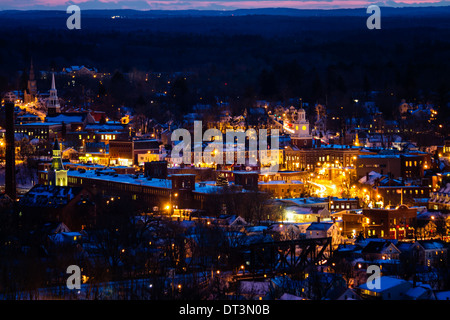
x: 268, y: 22
x: 297, y: 52
x: 141, y: 14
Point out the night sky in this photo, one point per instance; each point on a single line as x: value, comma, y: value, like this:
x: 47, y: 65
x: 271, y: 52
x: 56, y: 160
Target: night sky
x: 207, y: 4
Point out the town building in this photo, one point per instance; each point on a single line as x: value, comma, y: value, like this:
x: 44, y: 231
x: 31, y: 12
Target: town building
x: 435, y: 253
x: 135, y: 152
x: 82, y: 70
x: 336, y: 204
x: 389, y: 288
x: 406, y: 166
x: 46, y: 131
x: 401, y: 194
x: 178, y: 191
x: 351, y: 223
x: 299, y: 129
x: 325, y: 157
x: 440, y: 199
x: 380, y: 250
x: 390, y: 223
x: 281, y: 189
x: 74, y: 206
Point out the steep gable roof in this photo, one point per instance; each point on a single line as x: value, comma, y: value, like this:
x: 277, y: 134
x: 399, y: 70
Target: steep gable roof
x: 379, y: 247
x: 432, y: 244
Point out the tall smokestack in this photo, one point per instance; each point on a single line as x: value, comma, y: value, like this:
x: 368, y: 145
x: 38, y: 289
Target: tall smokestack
x: 10, y: 159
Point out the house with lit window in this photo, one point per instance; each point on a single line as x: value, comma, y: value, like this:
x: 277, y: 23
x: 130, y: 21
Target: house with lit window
x: 435, y: 253
x: 440, y: 199
x: 147, y: 150
x: 388, y: 288
x: 70, y: 154
x: 380, y: 250
x: 324, y: 230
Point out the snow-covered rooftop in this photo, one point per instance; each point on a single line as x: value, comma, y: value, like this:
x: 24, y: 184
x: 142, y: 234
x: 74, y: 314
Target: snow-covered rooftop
x: 386, y: 283
x: 122, y: 178
x: 203, y: 187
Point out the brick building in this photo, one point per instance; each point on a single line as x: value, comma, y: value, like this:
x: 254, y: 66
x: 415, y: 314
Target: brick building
x: 390, y: 223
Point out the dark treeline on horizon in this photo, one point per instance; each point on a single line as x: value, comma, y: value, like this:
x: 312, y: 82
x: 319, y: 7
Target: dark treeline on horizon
x: 325, y: 59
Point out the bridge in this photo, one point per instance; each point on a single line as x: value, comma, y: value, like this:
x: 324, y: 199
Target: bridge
x: 291, y: 256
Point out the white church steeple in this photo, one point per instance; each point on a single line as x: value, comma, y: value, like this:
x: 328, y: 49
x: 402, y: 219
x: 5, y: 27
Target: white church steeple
x: 53, y: 101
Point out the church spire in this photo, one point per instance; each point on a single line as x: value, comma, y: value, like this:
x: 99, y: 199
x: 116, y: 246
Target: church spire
x: 31, y: 92
x: 53, y: 101
x: 31, y: 75
x: 53, y: 82
x: 57, y: 175
x: 57, y: 161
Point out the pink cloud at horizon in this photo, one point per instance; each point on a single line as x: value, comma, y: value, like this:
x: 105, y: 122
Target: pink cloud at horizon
x: 214, y: 4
